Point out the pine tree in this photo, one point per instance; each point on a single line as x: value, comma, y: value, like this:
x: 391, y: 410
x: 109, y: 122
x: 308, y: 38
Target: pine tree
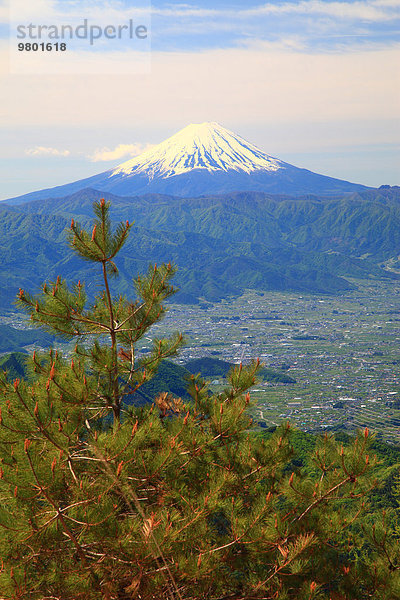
x: 177, y: 500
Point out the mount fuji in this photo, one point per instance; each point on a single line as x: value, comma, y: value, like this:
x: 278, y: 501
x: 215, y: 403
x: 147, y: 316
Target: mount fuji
x: 202, y: 159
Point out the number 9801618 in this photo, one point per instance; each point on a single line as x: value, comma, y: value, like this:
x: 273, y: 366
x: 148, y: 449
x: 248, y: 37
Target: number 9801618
x: 42, y: 47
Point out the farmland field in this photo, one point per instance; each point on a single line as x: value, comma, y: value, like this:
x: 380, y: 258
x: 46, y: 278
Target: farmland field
x: 343, y: 352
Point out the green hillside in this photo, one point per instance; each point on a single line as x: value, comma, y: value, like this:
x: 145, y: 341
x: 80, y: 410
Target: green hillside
x: 170, y: 378
x: 12, y: 339
x: 221, y: 244
x: 273, y: 376
x: 214, y: 367
x: 209, y: 367
x: 14, y: 364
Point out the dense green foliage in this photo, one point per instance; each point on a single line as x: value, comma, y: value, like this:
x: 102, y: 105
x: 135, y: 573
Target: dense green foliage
x: 177, y: 500
x: 208, y: 366
x: 14, y: 365
x: 384, y: 495
x: 222, y: 244
x: 170, y: 378
x: 215, y: 367
x: 273, y: 376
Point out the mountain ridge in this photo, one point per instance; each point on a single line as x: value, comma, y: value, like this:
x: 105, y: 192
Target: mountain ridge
x: 222, y: 245
x: 202, y: 159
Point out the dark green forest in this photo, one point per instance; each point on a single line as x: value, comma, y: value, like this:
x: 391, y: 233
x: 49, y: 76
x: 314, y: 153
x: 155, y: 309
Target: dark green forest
x: 179, y: 495
x: 12, y: 338
x: 221, y: 244
x: 215, y: 367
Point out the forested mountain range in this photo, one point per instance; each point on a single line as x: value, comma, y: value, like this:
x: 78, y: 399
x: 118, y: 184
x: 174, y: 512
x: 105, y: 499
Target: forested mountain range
x: 221, y: 244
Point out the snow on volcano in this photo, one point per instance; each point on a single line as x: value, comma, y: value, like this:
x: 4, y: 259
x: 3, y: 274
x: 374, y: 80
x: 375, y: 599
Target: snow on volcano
x: 206, y: 146
x: 200, y: 160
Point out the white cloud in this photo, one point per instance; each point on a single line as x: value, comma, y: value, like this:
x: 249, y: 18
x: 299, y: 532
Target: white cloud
x: 370, y: 10
x: 102, y: 12
x: 120, y: 151
x: 388, y: 3
x: 44, y: 151
x: 111, y: 11
x: 184, y: 10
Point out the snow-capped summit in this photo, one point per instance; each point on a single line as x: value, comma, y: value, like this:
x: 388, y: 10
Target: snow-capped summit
x: 202, y: 159
x: 207, y: 146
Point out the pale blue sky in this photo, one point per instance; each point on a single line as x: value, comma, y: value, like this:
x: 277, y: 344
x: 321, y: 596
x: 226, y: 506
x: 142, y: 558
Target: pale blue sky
x: 315, y: 83
x: 311, y: 25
